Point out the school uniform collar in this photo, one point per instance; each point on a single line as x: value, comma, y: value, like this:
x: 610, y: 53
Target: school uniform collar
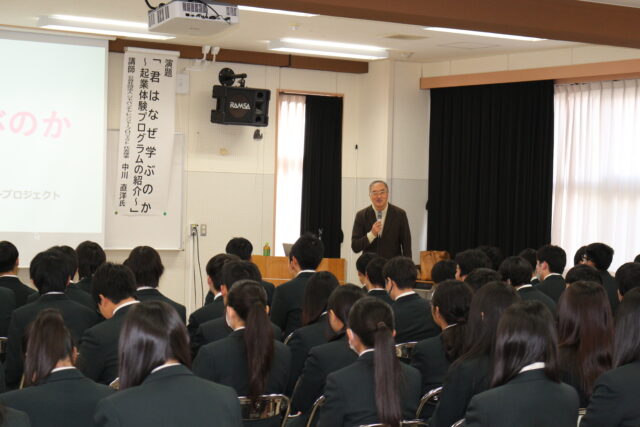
x: 63, y: 374
x: 169, y: 371
x: 375, y: 291
x: 165, y: 366
x: 532, y: 366
x: 145, y: 288
x: 217, y: 296
x: 527, y: 286
x: 126, y: 304
x: 406, y: 294
x: 305, y: 272
x: 366, y: 354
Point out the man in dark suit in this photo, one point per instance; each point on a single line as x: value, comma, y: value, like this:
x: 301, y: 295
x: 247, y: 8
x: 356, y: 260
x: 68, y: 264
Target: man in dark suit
x: 305, y: 256
x: 469, y: 260
x: 7, y: 305
x: 374, y: 280
x: 49, y: 274
x: 550, y: 263
x: 242, y: 248
x: 600, y: 256
x: 90, y: 257
x: 381, y: 228
x: 114, y: 288
x: 9, y: 273
x: 516, y: 271
x: 413, y: 318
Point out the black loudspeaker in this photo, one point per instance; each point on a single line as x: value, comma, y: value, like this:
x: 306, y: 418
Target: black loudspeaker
x: 241, y: 106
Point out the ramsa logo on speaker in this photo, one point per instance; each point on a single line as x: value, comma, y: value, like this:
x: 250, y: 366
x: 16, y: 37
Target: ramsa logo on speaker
x: 239, y: 105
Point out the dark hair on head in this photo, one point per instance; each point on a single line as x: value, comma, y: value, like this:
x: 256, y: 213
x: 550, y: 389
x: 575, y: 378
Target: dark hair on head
x: 71, y: 258
x: 555, y: 256
x: 308, y: 250
x: 471, y: 259
x: 234, y: 270
x: 525, y: 335
x: 627, y: 340
x: 494, y: 253
x: 452, y: 298
x: 378, y: 181
x: 146, y: 265
x: 8, y: 256
x: 530, y: 255
x: 249, y: 300
x: 374, y: 271
x: 49, y: 273
x: 214, y: 268
x: 363, y: 261
x: 240, y: 247
x: 600, y: 255
x: 516, y: 271
x: 583, y: 272
x: 115, y: 282
x: 151, y: 334
x: 342, y: 299
x: 637, y: 258
x: 579, y: 255
x: 316, y: 295
x: 628, y: 277
x: 401, y: 270
x: 481, y: 276
x: 90, y: 257
x: 48, y: 342
x: 487, y: 305
x: 372, y: 321
x: 443, y: 270
x: 585, y: 332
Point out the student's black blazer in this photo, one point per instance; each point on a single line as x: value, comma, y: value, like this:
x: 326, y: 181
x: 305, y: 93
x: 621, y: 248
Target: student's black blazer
x: 74, y: 294
x: 463, y: 381
x: 413, y: 319
x: 215, y: 330
x: 286, y: 310
x: 20, y: 290
x: 64, y: 398
x: 225, y: 362
x: 14, y: 418
x: 614, y: 401
x: 530, y: 399
x: 323, y: 360
x: 154, y: 294
x: 350, y: 394
x: 532, y: 294
x: 302, y: 340
x: 170, y: 397
x: 7, y: 305
x: 429, y: 358
x: 382, y: 294
x: 77, y: 318
x: 552, y: 286
x: 85, y: 285
x: 611, y: 286
x: 98, y: 354
x: 211, y: 311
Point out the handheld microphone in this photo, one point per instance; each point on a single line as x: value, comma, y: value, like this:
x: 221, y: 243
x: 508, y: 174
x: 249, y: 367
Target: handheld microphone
x: 379, y: 215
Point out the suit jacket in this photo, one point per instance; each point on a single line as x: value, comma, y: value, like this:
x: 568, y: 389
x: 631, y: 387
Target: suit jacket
x: 64, y: 398
x: 552, y: 286
x: 532, y: 294
x: 614, y: 401
x: 286, y: 311
x: 85, y: 285
x: 528, y: 400
x: 208, y: 312
x: 429, y: 358
x: 7, y: 305
x: 323, y: 360
x: 463, y: 381
x: 382, y: 294
x: 225, y: 362
x: 396, y: 236
x: 77, y: 318
x: 98, y: 354
x: 75, y: 294
x: 270, y: 289
x: 414, y: 321
x: 154, y: 294
x: 302, y: 340
x: 15, y: 418
x: 611, y: 286
x: 20, y: 290
x: 351, y: 399
x: 170, y: 397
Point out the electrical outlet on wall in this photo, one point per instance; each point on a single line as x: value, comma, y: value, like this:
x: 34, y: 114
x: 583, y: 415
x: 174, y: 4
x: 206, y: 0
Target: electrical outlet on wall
x: 193, y: 229
x: 203, y: 229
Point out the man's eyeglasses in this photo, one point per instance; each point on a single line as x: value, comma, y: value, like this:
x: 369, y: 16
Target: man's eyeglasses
x: 378, y: 193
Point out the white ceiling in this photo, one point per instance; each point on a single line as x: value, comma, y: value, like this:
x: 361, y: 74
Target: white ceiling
x: 256, y: 28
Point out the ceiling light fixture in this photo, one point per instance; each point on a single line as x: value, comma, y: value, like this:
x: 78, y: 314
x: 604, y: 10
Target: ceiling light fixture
x: 326, y: 48
x: 276, y: 11
x: 107, y: 27
x: 484, y: 34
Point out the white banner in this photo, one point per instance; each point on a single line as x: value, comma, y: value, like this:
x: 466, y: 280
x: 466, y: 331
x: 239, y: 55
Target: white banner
x: 147, y: 128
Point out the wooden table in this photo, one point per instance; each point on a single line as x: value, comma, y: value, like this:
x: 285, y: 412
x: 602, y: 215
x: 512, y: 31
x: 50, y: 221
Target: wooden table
x: 275, y: 269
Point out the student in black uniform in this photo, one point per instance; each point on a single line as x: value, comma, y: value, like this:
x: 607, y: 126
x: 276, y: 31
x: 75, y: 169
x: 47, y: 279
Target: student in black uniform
x: 376, y: 388
x: 469, y: 375
x: 315, y: 328
x: 8, y: 273
x: 375, y: 279
x: 526, y: 389
x: 614, y: 401
x: 243, y: 249
x: 156, y: 386
x: 147, y: 266
x: 7, y: 305
x: 585, y: 336
x: 249, y: 360
x: 90, y: 257
x: 600, y: 256
x: 55, y: 393
x: 550, y: 263
x: 517, y: 271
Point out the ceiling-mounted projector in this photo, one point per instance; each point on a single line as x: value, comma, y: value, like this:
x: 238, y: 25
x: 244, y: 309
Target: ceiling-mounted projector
x: 195, y: 18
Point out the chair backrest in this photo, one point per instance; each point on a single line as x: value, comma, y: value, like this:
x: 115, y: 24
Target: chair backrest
x: 115, y: 384
x: 458, y: 423
x: 404, y: 350
x: 288, y: 338
x: 581, y: 413
x: 403, y: 423
x: 314, y: 410
x: 267, y: 406
x: 430, y: 398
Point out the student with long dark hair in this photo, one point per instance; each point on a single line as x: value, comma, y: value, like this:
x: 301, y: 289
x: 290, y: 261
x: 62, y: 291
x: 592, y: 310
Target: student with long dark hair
x: 450, y: 308
x: 614, y: 401
x: 470, y: 373
x: 156, y: 386
x: 526, y: 388
x: 585, y: 336
x: 376, y: 388
x: 55, y: 393
x: 249, y: 359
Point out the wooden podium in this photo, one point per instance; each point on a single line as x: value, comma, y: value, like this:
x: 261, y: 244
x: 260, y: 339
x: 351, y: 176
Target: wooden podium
x: 275, y: 269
